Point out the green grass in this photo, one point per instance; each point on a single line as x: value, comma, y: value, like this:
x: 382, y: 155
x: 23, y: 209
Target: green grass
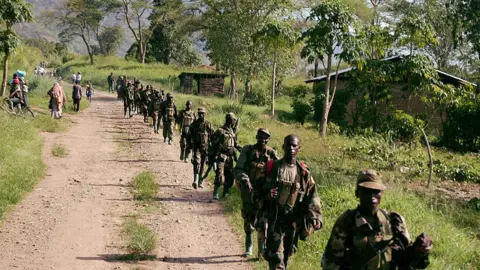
x: 453, y: 225
x: 144, y: 186
x: 21, y: 166
x: 141, y: 240
x: 59, y: 150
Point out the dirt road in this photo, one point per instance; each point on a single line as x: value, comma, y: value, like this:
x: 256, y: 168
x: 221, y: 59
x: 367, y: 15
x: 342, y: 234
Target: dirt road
x: 72, y: 220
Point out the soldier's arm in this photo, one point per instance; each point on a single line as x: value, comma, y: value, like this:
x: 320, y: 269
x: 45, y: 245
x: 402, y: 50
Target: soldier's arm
x: 273, y: 154
x: 334, y: 256
x: 239, y: 171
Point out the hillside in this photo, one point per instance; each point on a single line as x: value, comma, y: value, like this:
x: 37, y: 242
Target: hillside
x: 41, y: 30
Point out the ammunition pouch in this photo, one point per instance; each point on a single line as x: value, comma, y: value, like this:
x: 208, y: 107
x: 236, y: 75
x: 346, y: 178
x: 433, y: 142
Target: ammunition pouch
x: 287, y: 194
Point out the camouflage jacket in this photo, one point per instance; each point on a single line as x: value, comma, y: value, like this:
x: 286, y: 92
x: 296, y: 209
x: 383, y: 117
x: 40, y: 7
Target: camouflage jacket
x: 224, y: 141
x: 187, y: 117
x: 251, y: 166
x: 200, y: 134
x: 358, y: 243
x: 297, y: 201
x: 169, y: 111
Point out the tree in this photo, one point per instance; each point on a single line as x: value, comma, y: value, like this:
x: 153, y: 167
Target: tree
x: 110, y: 39
x: 171, y: 24
x: 278, y: 34
x: 335, y: 34
x: 135, y: 12
x: 11, y: 13
x: 84, y: 19
x: 229, y: 31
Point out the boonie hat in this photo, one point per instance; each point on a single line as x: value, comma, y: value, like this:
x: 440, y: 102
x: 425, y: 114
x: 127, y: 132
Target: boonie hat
x: 370, y: 179
x: 265, y: 131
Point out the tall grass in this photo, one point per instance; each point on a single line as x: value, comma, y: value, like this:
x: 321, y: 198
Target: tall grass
x: 144, y: 186
x: 21, y: 166
x: 141, y: 240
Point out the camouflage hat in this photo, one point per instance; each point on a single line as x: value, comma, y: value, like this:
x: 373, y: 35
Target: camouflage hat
x: 169, y: 95
x: 370, y: 179
x: 202, y: 110
x: 230, y: 115
x: 265, y: 131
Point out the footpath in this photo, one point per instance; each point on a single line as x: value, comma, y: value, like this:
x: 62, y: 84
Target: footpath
x: 73, y: 218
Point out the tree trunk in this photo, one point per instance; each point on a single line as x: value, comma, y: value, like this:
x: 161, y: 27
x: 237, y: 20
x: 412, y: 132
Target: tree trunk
x: 324, y: 118
x: 89, y: 50
x: 248, y: 84
x: 274, y: 75
x: 5, y: 72
x: 233, y: 84
x: 315, y: 70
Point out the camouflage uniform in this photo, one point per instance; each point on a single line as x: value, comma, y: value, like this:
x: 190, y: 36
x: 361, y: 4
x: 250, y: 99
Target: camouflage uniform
x: 169, y: 114
x: 187, y: 117
x: 155, y: 109
x: 145, y: 99
x: 291, y: 215
x: 379, y: 242
x: 223, y: 154
x: 128, y: 98
x: 250, y: 170
x: 199, y: 136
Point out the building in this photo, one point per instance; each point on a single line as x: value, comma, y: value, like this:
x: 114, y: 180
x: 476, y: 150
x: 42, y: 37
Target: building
x: 399, y: 99
x: 204, y: 84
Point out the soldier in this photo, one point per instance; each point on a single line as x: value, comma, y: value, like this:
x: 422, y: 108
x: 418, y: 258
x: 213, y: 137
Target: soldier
x: 294, y: 209
x: 223, y: 154
x: 199, y: 136
x: 187, y: 117
x: 128, y: 98
x: 169, y: 114
x: 250, y: 175
x: 120, y: 86
x: 145, y: 99
x: 156, y: 107
x: 111, y: 82
x: 370, y: 238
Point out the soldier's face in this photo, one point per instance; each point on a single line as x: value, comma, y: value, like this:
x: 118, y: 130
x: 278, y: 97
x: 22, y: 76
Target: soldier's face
x: 291, y: 147
x: 201, y: 115
x: 369, y: 199
x: 189, y: 105
x: 262, y: 138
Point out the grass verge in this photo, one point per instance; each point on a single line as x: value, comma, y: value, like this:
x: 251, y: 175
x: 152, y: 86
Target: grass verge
x: 144, y: 186
x: 59, y: 150
x: 141, y: 240
x: 21, y: 165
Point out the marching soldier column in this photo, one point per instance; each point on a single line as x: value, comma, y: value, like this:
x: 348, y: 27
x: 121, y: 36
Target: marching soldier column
x: 279, y: 196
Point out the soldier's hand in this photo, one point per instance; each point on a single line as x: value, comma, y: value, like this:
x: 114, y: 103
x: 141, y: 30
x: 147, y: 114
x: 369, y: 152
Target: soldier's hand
x: 249, y: 186
x: 273, y: 193
x: 317, y: 225
x: 423, y: 244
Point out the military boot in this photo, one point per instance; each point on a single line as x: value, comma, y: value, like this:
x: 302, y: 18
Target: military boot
x: 248, y: 245
x: 261, y: 243
x: 195, y: 181
x: 215, y: 192
x: 226, y: 192
x: 182, y: 154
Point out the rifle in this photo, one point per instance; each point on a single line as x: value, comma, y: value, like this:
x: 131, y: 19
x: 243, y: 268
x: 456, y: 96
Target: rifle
x: 360, y: 260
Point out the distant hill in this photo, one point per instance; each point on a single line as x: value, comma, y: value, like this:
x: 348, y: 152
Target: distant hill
x: 50, y: 32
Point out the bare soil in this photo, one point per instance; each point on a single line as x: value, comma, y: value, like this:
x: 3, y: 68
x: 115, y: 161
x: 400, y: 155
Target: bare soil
x: 73, y: 219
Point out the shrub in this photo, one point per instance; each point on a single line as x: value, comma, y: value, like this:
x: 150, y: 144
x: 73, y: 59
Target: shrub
x: 259, y: 97
x: 141, y: 240
x: 404, y: 127
x: 301, y: 110
x: 333, y: 129
x: 375, y: 148
x: 460, y: 131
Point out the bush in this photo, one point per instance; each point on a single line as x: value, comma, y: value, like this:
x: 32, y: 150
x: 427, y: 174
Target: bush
x: 460, y: 131
x: 333, y: 129
x: 374, y: 148
x: 258, y: 97
x: 404, y: 127
x: 301, y: 110
x: 141, y: 240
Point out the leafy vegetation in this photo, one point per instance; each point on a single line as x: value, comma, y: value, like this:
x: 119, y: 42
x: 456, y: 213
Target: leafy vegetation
x: 59, y: 150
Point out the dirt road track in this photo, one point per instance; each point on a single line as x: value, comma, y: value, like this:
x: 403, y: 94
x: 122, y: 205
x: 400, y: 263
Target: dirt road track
x: 72, y: 219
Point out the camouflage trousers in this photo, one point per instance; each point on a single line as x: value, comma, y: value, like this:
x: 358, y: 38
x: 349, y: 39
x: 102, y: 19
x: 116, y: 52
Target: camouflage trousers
x: 184, y: 145
x: 253, y: 218
x: 199, y: 159
x: 145, y: 112
x: 157, y: 119
x: 281, y: 244
x: 127, y: 106
x: 168, y: 129
x: 224, y: 173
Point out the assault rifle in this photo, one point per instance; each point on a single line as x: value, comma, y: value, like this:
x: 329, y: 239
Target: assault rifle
x: 211, y: 158
x: 370, y: 253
